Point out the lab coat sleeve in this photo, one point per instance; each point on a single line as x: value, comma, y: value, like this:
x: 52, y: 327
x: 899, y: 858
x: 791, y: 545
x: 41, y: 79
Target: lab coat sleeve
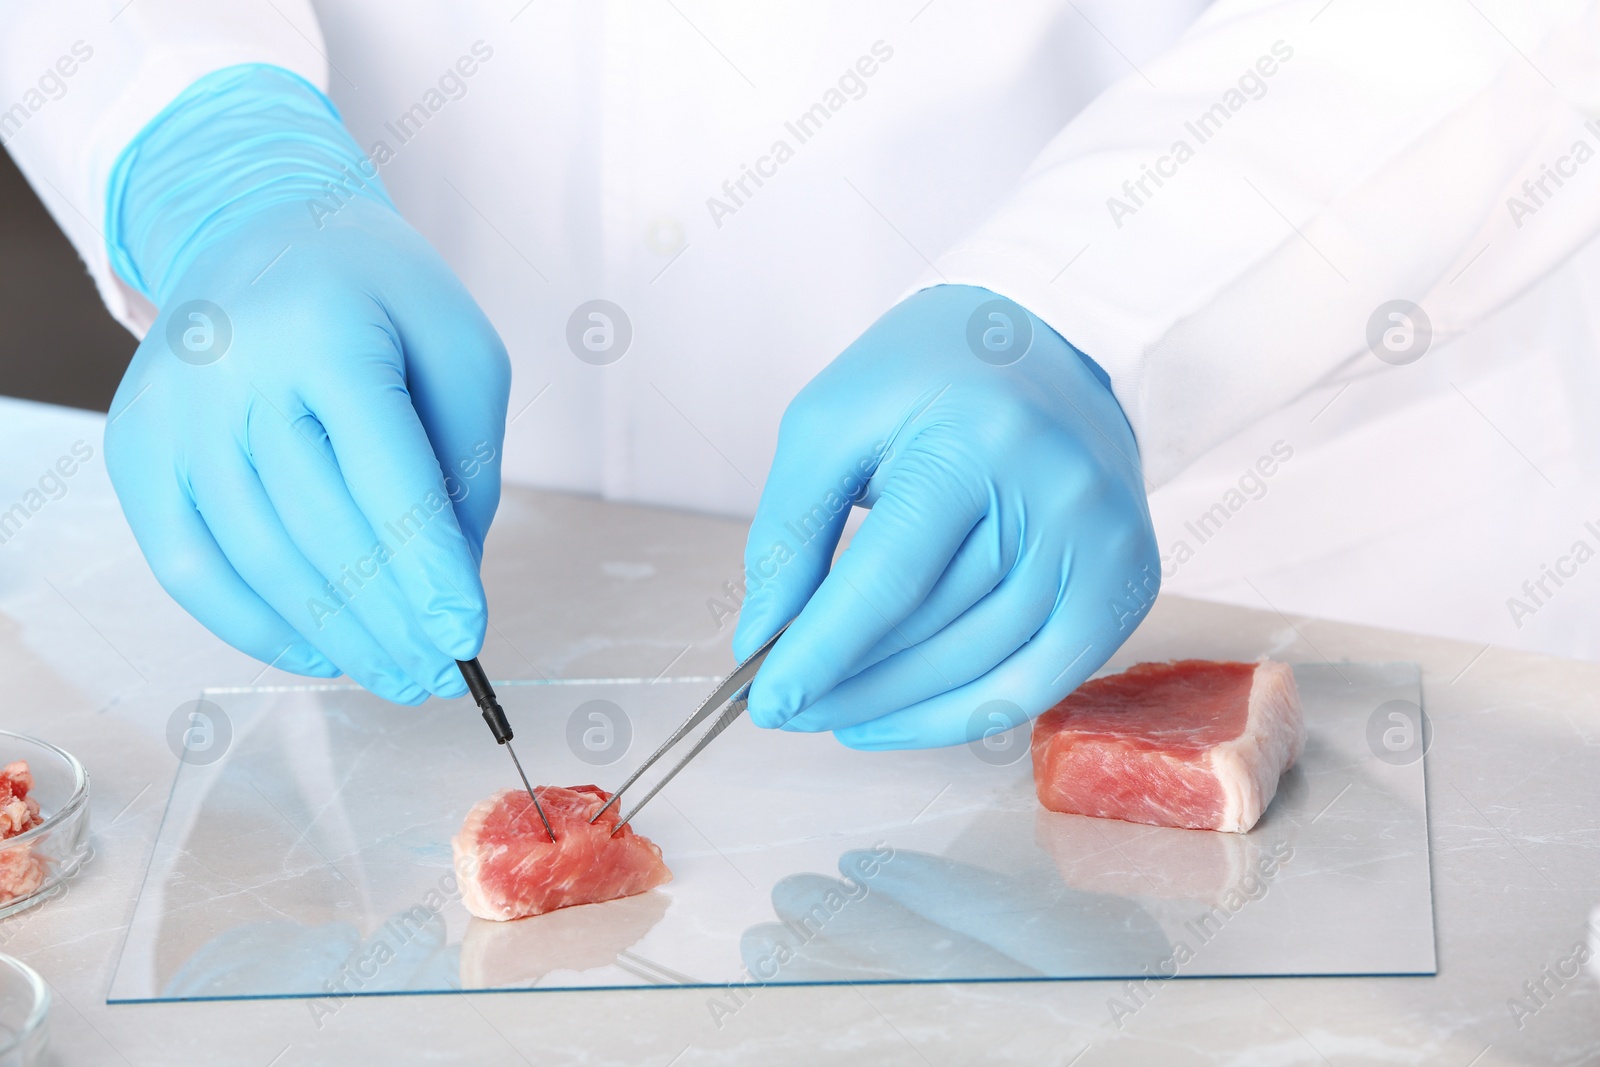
x: 80, y: 78
x: 1218, y: 228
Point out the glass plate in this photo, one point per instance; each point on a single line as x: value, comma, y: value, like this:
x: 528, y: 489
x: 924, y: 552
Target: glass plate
x: 305, y: 852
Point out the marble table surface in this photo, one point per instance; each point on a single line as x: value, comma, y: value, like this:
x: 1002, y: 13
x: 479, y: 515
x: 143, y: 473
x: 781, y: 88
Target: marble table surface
x: 94, y: 657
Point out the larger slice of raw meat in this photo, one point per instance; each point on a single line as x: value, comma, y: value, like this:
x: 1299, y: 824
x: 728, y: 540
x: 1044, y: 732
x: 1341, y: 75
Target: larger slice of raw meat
x: 509, y: 869
x: 1196, y: 744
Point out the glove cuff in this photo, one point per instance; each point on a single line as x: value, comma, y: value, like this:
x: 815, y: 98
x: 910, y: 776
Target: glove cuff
x: 237, y: 141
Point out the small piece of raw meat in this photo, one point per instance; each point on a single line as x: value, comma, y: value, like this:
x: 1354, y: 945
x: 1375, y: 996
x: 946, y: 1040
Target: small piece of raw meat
x: 21, y: 872
x: 1196, y: 744
x: 19, y: 812
x: 509, y: 869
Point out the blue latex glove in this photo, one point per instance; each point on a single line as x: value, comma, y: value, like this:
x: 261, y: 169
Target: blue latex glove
x: 307, y: 443
x: 1008, y: 552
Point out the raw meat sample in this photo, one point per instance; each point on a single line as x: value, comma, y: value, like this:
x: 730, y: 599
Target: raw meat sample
x: 1196, y: 744
x: 509, y: 869
x: 19, y: 812
x: 21, y: 872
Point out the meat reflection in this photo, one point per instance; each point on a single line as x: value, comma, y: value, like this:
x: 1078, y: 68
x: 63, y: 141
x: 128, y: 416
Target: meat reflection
x: 1136, y: 860
x: 498, y: 955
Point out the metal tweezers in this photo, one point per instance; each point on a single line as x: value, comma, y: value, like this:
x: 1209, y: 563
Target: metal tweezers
x: 734, y: 691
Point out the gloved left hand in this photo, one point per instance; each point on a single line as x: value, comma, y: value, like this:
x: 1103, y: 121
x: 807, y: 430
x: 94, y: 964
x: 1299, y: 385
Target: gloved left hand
x: 307, y: 443
x: 1008, y: 552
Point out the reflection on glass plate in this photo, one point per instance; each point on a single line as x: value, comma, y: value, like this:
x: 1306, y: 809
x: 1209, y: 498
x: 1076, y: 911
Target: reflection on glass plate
x: 312, y: 859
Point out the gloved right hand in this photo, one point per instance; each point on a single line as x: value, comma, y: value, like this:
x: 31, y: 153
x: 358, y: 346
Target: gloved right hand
x: 1008, y: 551
x: 307, y: 443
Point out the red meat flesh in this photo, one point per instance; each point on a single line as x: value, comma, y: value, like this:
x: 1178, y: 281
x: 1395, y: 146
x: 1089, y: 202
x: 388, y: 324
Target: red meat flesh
x: 19, y: 812
x: 21, y: 872
x: 509, y: 869
x: 1196, y: 744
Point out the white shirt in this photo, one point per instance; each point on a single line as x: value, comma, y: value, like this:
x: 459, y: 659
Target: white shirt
x: 1216, y: 228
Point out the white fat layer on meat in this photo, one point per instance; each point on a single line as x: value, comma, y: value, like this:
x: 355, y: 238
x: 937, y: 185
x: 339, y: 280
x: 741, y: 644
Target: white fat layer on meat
x: 470, y: 858
x: 1249, y: 766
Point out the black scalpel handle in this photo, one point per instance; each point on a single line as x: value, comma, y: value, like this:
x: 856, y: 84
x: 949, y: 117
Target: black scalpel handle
x: 483, y: 694
x: 495, y: 716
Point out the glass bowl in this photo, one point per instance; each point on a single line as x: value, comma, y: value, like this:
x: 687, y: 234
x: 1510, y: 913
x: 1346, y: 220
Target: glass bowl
x: 24, y: 1005
x: 33, y: 865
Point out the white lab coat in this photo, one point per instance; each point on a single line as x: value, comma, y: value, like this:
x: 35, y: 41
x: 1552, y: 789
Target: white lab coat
x: 1216, y: 228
